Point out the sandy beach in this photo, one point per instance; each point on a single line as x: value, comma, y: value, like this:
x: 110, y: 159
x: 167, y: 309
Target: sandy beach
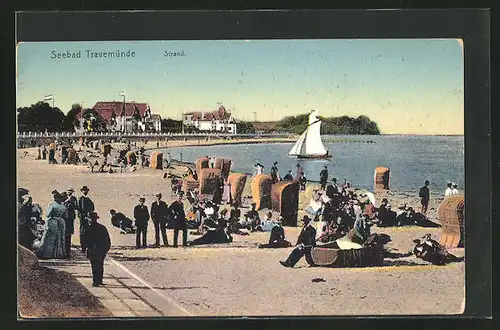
x: 240, y: 279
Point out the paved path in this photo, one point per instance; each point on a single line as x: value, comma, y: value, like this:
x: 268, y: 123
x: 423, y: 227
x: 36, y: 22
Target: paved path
x: 124, y: 294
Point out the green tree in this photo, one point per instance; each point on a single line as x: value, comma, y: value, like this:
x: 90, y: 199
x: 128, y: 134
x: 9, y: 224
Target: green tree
x: 98, y: 124
x: 40, y: 117
x: 245, y: 127
x: 171, y: 125
x: 330, y: 125
x: 71, y: 120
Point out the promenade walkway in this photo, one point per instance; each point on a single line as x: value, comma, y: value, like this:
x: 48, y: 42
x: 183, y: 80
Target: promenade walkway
x: 124, y: 294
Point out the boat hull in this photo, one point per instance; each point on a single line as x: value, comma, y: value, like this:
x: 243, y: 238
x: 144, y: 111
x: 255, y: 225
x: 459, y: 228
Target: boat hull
x: 313, y: 156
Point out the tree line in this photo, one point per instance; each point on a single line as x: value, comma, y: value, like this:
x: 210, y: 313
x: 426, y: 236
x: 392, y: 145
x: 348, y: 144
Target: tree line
x: 361, y: 125
x: 41, y: 117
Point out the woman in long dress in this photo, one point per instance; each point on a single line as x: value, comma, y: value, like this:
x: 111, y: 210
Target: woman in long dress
x: 53, y: 243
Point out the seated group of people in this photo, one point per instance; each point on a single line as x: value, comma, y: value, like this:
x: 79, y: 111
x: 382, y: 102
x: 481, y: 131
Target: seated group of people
x: 405, y: 216
x: 217, y: 225
x: 333, y: 235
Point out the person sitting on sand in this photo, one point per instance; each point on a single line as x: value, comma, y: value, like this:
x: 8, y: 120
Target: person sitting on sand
x: 276, y: 238
x: 315, y: 204
x: 119, y: 220
x: 234, y: 219
x: 387, y: 218
x: 306, y: 240
x: 252, y: 218
x: 208, y: 216
x: 404, y: 219
x: 266, y: 224
x: 331, y: 232
x: 419, y: 219
x: 217, y: 235
x: 369, y: 210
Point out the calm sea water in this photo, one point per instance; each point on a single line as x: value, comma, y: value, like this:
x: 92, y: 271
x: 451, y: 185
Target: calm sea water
x: 412, y: 159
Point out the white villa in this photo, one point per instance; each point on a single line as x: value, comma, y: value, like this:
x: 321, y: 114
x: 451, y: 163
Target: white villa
x: 220, y: 120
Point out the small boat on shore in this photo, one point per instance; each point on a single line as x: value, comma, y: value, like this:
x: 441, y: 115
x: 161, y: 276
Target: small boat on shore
x: 309, y: 144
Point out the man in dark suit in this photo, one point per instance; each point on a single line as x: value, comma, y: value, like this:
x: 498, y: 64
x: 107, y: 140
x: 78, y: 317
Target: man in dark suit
x: 159, y: 211
x: 178, y: 219
x: 307, y: 239
x: 323, y: 177
x: 141, y: 216
x: 98, y: 245
x: 424, y: 195
x: 71, y: 204
x: 85, y: 207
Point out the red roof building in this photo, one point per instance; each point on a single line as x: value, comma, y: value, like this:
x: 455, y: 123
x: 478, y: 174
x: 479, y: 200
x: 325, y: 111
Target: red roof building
x: 220, y: 114
x: 115, y: 110
x: 106, y: 109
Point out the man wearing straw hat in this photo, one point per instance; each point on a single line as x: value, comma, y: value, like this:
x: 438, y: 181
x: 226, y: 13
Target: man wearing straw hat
x: 85, y: 206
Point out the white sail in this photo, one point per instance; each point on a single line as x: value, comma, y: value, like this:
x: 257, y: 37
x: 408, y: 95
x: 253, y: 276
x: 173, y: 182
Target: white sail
x: 297, y: 147
x: 309, y: 143
x: 313, y: 144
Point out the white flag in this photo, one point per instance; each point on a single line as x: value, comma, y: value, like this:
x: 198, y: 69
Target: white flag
x: 48, y: 97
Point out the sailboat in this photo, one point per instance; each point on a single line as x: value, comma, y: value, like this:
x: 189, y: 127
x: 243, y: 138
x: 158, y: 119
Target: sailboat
x: 309, y: 144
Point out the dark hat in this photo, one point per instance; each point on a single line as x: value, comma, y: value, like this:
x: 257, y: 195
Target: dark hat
x: 275, y: 163
x: 93, y: 215
x: 385, y: 200
x: 142, y: 199
x: 71, y: 190
x: 306, y: 219
x: 334, y: 179
x: 158, y: 194
x: 84, y: 188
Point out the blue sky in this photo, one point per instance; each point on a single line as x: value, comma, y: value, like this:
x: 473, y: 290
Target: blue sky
x: 409, y: 86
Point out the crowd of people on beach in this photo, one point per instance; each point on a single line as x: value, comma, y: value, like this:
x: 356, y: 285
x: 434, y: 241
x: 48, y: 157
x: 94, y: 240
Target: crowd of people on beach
x: 343, y: 215
x: 90, y: 153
